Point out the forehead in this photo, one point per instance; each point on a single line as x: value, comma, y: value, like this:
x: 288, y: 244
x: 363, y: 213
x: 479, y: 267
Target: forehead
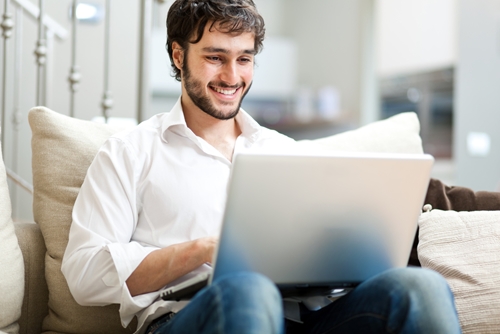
x: 215, y: 36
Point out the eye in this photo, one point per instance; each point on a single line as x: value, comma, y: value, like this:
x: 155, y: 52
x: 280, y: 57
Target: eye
x: 246, y: 60
x: 213, y: 58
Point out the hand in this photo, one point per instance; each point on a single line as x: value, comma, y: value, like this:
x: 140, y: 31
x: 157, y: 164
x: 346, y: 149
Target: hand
x: 208, y: 246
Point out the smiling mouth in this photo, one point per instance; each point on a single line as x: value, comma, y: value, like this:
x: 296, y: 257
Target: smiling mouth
x: 225, y: 91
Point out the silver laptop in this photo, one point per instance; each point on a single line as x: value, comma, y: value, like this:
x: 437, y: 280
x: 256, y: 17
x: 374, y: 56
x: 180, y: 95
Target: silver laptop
x: 313, y: 223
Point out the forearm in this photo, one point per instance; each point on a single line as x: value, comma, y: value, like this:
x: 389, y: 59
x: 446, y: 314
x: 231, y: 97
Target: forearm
x: 164, y: 265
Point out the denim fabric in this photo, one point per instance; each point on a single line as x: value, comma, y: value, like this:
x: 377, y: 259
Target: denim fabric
x: 407, y: 300
x: 239, y: 303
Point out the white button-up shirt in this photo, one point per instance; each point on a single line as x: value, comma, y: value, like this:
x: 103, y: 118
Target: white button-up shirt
x: 153, y: 186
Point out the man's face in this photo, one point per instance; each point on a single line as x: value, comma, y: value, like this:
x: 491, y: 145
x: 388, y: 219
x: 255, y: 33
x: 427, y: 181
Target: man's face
x: 217, y: 72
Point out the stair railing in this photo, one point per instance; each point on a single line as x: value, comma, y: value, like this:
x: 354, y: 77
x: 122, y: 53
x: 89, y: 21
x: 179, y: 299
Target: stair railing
x: 48, y: 31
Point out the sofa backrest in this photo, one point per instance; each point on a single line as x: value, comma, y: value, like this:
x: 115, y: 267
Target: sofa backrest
x: 36, y: 295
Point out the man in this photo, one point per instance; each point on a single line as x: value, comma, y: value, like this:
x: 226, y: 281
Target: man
x: 151, y: 205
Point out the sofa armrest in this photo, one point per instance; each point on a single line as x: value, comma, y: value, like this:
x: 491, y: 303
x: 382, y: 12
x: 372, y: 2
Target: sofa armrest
x: 36, y: 293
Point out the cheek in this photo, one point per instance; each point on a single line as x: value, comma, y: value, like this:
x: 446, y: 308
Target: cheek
x: 207, y: 71
x: 248, y: 74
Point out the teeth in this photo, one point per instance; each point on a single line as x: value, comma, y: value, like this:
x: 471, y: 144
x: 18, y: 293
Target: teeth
x: 224, y: 91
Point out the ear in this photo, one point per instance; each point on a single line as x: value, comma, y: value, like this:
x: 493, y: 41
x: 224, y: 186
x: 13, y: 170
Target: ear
x: 177, y: 55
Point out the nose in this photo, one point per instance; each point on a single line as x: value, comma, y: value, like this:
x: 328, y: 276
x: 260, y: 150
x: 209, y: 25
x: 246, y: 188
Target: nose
x: 230, y: 74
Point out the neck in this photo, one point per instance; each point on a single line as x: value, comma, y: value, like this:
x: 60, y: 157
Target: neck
x: 221, y: 134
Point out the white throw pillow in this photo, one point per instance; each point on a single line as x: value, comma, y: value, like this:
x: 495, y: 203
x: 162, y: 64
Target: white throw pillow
x: 11, y: 263
x: 396, y: 134
x: 464, y: 247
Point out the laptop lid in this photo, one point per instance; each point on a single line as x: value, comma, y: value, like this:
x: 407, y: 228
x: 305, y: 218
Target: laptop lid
x: 321, y: 220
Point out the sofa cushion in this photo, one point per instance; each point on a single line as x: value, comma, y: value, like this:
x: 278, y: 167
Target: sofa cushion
x: 396, y: 134
x: 465, y: 248
x: 62, y: 149
x: 11, y: 263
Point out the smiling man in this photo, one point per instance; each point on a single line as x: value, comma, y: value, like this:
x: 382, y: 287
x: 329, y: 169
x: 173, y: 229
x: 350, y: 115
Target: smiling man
x: 216, y: 73
x: 149, y: 211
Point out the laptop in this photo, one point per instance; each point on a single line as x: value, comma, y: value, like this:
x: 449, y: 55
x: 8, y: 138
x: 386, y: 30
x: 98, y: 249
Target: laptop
x: 313, y: 223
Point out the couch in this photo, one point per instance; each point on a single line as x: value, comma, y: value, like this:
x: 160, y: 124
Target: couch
x: 35, y: 296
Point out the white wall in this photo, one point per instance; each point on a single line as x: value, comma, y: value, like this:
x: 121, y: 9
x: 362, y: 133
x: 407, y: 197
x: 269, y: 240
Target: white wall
x: 477, y: 98
x: 329, y: 34
x: 415, y: 35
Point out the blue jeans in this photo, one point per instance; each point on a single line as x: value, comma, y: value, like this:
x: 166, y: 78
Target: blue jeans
x: 407, y: 300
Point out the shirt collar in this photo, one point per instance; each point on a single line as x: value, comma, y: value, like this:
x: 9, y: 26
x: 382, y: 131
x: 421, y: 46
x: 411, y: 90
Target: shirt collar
x: 174, y: 121
x: 174, y: 118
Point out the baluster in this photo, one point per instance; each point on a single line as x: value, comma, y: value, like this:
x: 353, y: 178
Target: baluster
x: 7, y: 27
x: 41, y: 55
x: 48, y: 74
x: 74, y: 76
x: 143, y: 93
x: 107, y: 98
x: 17, y: 115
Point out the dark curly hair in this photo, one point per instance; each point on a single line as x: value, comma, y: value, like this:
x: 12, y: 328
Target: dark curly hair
x: 186, y: 21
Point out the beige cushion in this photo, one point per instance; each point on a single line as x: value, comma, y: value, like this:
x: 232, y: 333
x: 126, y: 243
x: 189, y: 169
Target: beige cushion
x: 11, y: 263
x: 397, y: 134
x: 63, y: 149
x: 465, y: 248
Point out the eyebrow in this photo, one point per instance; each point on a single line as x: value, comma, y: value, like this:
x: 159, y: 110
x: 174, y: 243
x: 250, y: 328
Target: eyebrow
x: 225, y: 51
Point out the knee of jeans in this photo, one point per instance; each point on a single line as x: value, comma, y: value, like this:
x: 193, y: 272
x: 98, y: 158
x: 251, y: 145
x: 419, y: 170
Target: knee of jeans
x: 421, y: 298
x: 250, y: 302
x: 424, y: 280
x: 427, y: 277
x: 250, y: 286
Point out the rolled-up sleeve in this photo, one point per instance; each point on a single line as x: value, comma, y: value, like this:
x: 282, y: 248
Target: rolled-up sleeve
x: 101, y: 253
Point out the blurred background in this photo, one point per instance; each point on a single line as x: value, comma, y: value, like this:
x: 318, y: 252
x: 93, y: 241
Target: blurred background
x: 327, y: 66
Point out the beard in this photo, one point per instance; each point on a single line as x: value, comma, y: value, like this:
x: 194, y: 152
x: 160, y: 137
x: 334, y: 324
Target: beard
x: 195, y: 91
